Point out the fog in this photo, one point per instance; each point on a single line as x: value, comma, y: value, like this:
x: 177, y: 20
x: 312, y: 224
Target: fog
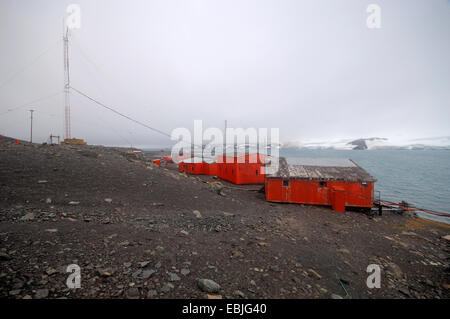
x: 311, y: 68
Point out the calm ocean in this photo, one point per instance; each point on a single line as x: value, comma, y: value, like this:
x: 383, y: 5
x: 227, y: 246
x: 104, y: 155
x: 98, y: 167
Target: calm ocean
x: 421, y: 177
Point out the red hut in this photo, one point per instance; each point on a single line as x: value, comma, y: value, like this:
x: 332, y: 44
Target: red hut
x: 168, y: 159
x: 198, y: 166
x: 209, y: 166
x: 160, y: 162
x: 339, y: 183
x: 192, y: 165
x: 241, y: 168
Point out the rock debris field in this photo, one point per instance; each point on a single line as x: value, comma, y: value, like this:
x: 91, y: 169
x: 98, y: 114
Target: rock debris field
x: 137, y: 230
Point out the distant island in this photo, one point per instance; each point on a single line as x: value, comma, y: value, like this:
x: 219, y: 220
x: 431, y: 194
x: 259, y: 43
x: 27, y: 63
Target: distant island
x: 372, y: 143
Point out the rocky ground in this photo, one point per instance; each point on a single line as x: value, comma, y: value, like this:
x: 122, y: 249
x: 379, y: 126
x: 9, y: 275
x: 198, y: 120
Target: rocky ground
x: 140, y: 231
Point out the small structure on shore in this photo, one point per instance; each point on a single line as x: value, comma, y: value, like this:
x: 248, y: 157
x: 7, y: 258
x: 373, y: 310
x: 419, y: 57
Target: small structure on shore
x: 198, y: 166
x: 160, y: 162
x: 339, y: 183
x: 74, y: 141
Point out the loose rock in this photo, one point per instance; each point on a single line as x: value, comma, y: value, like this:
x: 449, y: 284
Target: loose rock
x: 133, y: 293
x: 41, y: 293
x: 173, y: 277
x: 208, y: 285
x: 314, y: 274
x: 197, y: 214
x: 27, y: 217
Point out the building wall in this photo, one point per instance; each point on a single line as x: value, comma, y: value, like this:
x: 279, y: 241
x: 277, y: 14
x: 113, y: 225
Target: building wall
x: 191, y: 168
x: 229, y: 168
x: 210, y: 169
x: 198, y: 168
x: 315, y: 192
x: 241, y: 173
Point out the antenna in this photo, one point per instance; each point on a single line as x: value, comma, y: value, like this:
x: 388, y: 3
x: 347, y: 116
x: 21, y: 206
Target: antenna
x: 224, y: 150
x: 31, y: 129
x: 66, y: 80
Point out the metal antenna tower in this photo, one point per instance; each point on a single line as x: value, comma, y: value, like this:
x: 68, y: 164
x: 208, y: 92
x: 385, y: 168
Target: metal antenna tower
x: 67, y: 81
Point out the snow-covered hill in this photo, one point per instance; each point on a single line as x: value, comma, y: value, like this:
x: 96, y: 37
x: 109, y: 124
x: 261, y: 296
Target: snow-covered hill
x: 371, y: 144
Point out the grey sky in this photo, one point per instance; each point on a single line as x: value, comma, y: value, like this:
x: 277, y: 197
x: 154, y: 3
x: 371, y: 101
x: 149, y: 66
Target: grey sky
x: 311, y: 68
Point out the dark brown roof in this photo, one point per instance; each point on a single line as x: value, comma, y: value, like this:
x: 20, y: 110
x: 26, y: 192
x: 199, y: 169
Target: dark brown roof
x: 325, y: 169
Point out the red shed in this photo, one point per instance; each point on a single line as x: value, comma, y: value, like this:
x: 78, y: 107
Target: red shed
x: 198, y: 166
x: 160, y: 162
x: 209, y: 167
x: 339, y: 183
x: 241, y: 168
x: 193, y: 165
x: 168, y: 159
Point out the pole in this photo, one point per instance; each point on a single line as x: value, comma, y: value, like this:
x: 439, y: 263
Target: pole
x: 31, y: 130
x: 225, y: 139
x: 67, y: 81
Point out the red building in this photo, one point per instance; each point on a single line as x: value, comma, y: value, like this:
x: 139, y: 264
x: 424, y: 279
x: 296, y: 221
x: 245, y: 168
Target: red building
x: 198, y: 166
x: 210, y: 168
x: 193, y: 165
x: 241, y: 168
x: 168, y: 159
x: 160, y: 162
x: 339, y: 183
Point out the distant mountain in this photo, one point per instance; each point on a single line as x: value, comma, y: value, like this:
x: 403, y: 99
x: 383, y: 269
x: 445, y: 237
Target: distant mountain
x: 367, y: 143
x: 372, y: 143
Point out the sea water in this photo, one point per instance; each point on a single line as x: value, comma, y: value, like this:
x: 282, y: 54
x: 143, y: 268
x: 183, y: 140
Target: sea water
x: 420, y: 177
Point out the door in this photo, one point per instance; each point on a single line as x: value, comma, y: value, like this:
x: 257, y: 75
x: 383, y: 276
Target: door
x: 286, y: 190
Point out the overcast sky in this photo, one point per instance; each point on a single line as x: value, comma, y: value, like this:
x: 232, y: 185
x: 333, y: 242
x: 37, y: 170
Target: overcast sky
x: 311, y: 68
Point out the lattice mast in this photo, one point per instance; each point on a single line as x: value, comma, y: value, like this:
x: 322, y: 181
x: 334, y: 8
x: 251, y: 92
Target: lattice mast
x: 66, y: 82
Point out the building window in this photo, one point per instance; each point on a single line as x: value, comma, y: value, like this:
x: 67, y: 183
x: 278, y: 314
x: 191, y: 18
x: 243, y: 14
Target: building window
x: 256, y: 172
x: 286, y: 183
x: 323, y: 184
x: 364, y: 184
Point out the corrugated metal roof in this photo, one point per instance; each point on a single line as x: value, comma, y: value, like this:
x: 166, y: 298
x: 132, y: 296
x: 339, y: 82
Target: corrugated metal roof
x: 321, y: 169
x: 320, y: 161
x: 207, y: 160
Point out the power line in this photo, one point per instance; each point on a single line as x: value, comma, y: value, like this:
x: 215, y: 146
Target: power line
x: 128, y: 118
x: 12, y: 109
x: 120, y: 114
x: 26, y: 66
